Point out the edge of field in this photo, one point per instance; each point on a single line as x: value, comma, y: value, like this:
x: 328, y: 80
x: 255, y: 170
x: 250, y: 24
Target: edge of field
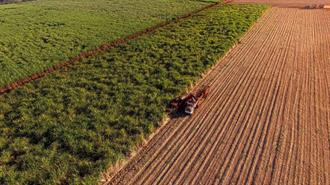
x: 108, y: 175
x: 102, y: 48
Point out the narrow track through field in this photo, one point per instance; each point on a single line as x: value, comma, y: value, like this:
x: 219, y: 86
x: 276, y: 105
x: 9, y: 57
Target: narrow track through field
x: 266, y: 120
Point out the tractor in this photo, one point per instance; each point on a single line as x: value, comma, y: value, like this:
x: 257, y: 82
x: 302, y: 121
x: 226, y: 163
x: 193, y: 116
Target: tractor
x: 188, y: 103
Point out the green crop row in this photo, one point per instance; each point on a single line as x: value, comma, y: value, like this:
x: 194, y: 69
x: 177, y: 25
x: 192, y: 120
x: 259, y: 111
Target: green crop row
x: 73, y: 124
x: 39, y: 34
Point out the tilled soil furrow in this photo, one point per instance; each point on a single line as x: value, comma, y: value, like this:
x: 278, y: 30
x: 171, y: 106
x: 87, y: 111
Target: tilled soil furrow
x: 316, y: 110
x: 268, y: 143
x: 266, y: 120
x: 321, y: 111
x: 298, y: 123
x: 188, y: 139
x: 265, y: 170
x: 206, y: 103
x: 322, y: 102
x: 168, y: 160
x: 230, y: 144
x: 214, y: 123
x: 154, y: 140
x: 325, y: 102
x: 302, y: 125
x: 258, y: 127
x: 291, y: 136
x: 197, y: 161
x: 248, y: 118
x: 168, y: 129
x: 216, y: 138
x: 206, y: 162
x: 208, y: 109
x: 275, y: 142
x: 286, y: 3
x: 311, y: 128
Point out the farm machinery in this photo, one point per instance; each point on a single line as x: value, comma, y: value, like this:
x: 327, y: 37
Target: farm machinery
x: 316, y: 6
x: 187, y: 104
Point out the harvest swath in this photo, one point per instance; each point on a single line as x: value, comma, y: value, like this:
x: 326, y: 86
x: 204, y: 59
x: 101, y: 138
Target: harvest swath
x: 73, y: 124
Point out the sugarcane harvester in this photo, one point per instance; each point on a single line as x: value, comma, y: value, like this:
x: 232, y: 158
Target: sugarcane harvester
x: 188, y: 103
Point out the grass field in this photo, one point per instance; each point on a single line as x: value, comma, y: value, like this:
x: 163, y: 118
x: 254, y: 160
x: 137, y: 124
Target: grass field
x: 38, y: 34
x: 70, y: 126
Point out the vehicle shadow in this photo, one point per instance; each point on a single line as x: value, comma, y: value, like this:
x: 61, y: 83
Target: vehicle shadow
x: 177, y: 114
x: 313, y: 7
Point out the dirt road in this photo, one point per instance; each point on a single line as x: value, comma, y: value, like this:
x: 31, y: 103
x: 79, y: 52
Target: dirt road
x: 266, y: 120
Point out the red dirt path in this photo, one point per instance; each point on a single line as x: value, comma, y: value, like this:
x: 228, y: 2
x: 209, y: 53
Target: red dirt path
x: 266, y: 120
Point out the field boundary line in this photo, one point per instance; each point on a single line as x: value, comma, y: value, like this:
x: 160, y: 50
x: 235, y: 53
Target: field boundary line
x: 103, y: 48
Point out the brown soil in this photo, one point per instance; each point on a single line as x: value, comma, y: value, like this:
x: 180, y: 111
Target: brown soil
x: 267, y: 117
x: 286, y: 3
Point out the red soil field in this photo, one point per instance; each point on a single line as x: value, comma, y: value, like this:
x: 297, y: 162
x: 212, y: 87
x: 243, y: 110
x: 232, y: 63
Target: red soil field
x: 266, y: 119
x: 285, y: 3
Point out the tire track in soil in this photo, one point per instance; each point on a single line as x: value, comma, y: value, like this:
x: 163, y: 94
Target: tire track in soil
x: 266, y: 120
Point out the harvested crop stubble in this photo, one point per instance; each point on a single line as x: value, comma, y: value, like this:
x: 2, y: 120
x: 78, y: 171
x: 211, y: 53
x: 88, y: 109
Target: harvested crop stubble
x: 70, y: 126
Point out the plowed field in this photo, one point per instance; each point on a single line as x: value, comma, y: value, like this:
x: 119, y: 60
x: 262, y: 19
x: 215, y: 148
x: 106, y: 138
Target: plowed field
x: 286, y: 3
x: 266, y: 120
